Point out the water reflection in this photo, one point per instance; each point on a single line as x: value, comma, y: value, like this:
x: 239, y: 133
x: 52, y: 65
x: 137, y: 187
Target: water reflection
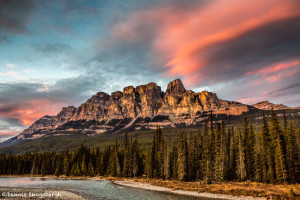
x: 90, y: 189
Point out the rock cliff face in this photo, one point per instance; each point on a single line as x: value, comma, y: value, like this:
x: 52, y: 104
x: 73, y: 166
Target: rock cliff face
x: 143, y: 107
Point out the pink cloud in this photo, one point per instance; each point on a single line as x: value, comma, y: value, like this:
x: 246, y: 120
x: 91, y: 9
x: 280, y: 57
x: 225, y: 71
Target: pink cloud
x: 183, y: 37
x: 31, y: 110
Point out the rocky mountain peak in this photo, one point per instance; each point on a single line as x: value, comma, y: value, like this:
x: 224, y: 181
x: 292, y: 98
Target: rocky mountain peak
x: 99, y: 98
x: 129, y: 90
x: 266, y: 105
x: 116, y: 96
x: 175, y: 87
x: 150, y: 91
x: 143, y: 107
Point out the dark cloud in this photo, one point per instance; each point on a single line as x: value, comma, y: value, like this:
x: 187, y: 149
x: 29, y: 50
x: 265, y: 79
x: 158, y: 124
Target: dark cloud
x: 253, y: 50
x: 52, y: 48
x: 288, y: 88
x: 71, y: 90
x: 4, y: 40
x: 9, y: 128
x: 23, y: 103
x: 14, y: 15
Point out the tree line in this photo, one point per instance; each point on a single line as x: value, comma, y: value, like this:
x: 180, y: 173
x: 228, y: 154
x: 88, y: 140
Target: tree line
x: 216, y: 154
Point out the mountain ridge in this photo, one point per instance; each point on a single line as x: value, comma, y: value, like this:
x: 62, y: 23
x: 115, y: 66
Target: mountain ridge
x: 140, y: 107
x: 266, y: 105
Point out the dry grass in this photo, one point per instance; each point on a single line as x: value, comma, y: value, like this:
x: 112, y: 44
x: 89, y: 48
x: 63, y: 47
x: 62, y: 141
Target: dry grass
x: 254, y: 189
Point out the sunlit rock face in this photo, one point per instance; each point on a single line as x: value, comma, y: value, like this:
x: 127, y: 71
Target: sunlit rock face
x: 141, y: 107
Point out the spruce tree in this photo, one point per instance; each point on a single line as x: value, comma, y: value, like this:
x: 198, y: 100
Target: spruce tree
x: 233, y: 153
x: 167, y: 163
x: 193, y: 159
x: 267, y: 153
x: 174, y: 167
x: 292, y: 155
x: 206, y: 149
x: 91, y: 171
x: 258, y: 159
x: 66, y: 167
x: 127, y: 157
x: 280, y: 166
x: 218, y: 164
x: 241, y: 165
x: 227, y: 142
x: 136, y: 160
x: 182, y: 158
x: 117, y: 157
x: 209, y: 169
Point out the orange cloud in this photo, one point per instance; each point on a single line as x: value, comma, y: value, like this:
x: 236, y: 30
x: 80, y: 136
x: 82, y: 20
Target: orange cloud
x: 183, y: 37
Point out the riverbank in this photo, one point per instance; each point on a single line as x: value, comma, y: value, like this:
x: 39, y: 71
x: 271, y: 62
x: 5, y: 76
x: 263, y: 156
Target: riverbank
x: 36, y: 193
x: 226, y: 190
x: 148, y: 186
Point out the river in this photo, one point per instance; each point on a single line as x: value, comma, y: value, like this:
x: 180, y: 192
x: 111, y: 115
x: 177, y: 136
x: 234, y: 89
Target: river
x: 89, y: 189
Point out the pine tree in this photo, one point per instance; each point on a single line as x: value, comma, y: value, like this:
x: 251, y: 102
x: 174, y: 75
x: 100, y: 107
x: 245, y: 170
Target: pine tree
x: 127, y: 157
x: 182, y: 158
x: 174, y: 167
x: 66, y: 166
x: 118, y: 167
x: 57, y: 171
x: 91, y: 171
x: 281, y: 172
x: 167, y: 167
x: 291, y: 155
x: 206, y: 149
x: 227, y: 142
x: 233, y: 153
x: 241, y: 165
x: 159, y: 152
x: 267, y: 153
x: 83, y: 169
x: 35, y: 169
x: 73, y: 169
x: 136, y: 160
x: 209, y: 169
x: 193, y: 159
x: 218, y: 165
x: 277, y: 149
x: 44, y: 168
x: 248, y: 137
x: 285, y: 123
x: 258, y: 160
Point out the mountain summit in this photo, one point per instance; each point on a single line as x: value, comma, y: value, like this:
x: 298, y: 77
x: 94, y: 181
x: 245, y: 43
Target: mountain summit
x: 141, y: 107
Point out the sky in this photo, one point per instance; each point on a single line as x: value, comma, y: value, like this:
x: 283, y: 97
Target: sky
x: 60, y: 52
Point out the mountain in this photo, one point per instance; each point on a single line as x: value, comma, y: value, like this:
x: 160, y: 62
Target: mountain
x: 141, y: 107
x: 266, y: 105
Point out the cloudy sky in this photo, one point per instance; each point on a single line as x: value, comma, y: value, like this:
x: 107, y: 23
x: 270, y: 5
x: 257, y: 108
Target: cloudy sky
x: 59, y: 53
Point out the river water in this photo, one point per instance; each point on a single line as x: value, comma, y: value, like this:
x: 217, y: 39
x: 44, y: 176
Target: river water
x: 90, y: 189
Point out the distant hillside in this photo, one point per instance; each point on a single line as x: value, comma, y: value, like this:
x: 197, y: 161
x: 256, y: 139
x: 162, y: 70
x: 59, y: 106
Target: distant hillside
x: 266, y: 105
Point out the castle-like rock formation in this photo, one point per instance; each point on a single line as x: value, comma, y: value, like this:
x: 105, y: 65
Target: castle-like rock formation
x: 143, y: 107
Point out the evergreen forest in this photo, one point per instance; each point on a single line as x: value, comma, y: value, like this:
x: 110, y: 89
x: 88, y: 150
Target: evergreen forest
x: 217, y: 153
